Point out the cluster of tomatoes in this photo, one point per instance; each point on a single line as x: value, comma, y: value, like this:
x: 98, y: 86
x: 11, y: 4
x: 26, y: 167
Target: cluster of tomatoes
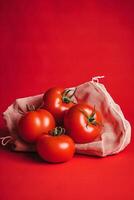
x: 59, y: 124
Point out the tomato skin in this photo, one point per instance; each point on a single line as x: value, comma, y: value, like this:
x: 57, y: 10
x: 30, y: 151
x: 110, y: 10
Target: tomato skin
x: 54, y: 103
x: 34, y: 123
x: 77, y: 125
x: 55, y: 149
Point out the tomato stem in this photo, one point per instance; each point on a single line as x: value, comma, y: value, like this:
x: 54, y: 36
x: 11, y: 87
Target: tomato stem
x: 66, y: 98
x: 57, y: 131
x: 65, y: 92
x: 73, y: 93
x: 91, y: 117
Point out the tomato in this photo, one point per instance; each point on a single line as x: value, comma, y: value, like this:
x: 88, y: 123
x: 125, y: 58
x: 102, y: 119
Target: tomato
x: 55, y: 148
x: 34, y: 123
x: 57, y: 101
x: 83, y: 123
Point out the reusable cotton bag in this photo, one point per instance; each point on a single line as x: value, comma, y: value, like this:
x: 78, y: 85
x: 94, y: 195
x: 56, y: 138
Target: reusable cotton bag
x: 116, y: 130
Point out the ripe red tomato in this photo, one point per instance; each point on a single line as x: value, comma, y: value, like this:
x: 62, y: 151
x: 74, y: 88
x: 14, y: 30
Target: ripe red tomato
x: 34, y: 123
x: 55, y: 148
x: 83, y: 123
x: 57, y: 101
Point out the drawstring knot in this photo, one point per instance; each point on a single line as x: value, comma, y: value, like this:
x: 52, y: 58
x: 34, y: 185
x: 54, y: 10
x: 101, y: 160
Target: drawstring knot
x: 96, y: 78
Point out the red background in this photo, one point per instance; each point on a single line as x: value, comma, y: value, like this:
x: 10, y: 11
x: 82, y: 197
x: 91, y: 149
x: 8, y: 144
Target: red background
x: 65, y: 43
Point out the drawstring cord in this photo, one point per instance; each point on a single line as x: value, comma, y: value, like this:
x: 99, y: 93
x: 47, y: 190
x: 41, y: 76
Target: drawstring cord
x: 6, y: 140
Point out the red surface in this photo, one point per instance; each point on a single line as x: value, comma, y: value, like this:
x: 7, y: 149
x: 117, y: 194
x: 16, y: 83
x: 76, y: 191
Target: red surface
x: 65, y: 43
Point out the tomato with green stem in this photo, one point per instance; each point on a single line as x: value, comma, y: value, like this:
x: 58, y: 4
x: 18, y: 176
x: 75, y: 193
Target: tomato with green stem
x: 34, y: 123
x: 55, y: 147
x: 58, y: 101
x: 83, y: 123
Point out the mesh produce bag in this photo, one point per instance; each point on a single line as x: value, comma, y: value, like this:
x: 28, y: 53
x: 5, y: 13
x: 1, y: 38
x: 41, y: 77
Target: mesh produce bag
x: 116, y: 130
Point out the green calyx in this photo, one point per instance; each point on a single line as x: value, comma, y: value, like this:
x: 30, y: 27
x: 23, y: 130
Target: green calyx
x: 57, y: 131
x: 90, y: 118
x: 66, y: 98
